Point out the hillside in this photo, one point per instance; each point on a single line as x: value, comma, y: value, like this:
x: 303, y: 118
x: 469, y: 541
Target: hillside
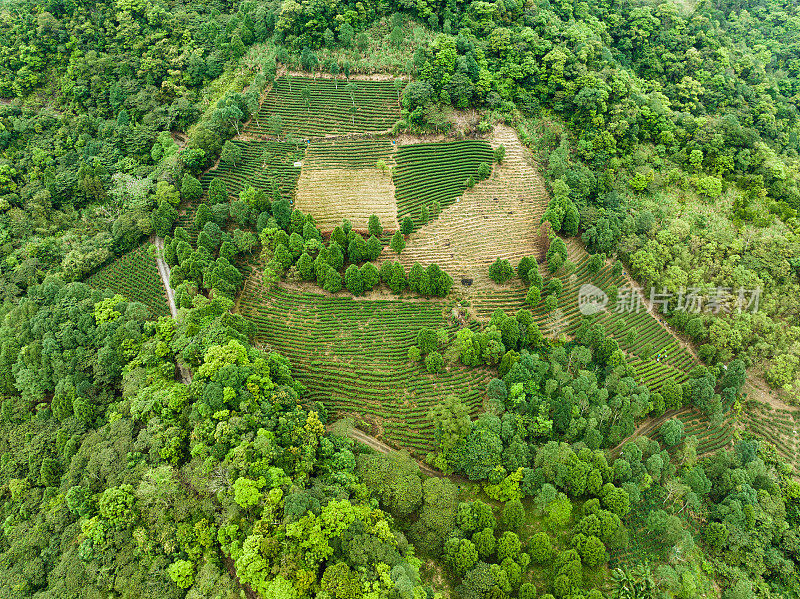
x: 378, y: 300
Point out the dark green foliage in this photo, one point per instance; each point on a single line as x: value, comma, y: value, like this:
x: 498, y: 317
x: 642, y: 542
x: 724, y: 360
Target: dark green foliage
x: 427, y: 340
x: 501, y: 271
x: 353, y: 280
x: 191, y: 190
x: 375, y: 227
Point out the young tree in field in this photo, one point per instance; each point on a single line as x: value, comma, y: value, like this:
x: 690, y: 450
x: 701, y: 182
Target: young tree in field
x: 217, y: 191
x: 424, y: 215
x: 434, y: 362
x: 353, y: 280
x: 672, y: 432
x: 373, y: 248
x: 398, y: 87
x: 352, y: 87
x: 333, y: 280
x: 334, y: 69
x: 231, y: 153
x: 499, y: 153
x: 375, y: 228
x: 275, y: 125
x: 381, y: 165
x: 191, y: 189
x: 501, y: 271
x: 346, y: 34
x: 369, y: 275
x: 396, y: 37
x: 427, y: 341
x: 398, y: 242
x: 407, y: 226
x: 305, y: 93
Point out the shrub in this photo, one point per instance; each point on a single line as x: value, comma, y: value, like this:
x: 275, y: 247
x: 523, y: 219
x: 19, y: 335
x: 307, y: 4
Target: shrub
x: 501, y: 271
x: 333, y: 280
x: 398, y: 242
x: 434, y: 362
x: 427, y: 340
x: 414, y: 355
x: 375, y: 227
x: 191, y: 188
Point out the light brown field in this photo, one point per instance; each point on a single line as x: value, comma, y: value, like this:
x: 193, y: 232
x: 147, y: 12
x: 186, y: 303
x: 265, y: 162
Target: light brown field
x: 498, y: 218
x: 331, y: 195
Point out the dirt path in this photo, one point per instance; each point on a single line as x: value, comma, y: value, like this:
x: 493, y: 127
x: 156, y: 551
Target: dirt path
x: 381, y: 447
x: 645, y: 427
x: 163, y: 270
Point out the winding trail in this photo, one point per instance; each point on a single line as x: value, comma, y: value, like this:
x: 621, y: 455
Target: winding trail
x: 379, y: 446
x: 163, y: 270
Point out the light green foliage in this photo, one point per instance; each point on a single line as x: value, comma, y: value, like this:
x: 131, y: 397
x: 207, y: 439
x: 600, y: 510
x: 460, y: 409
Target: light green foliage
x: 246, y: 492
x: 182, y: 573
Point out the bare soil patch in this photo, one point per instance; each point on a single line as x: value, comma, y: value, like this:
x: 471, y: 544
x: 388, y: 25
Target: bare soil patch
x: 331, y: 195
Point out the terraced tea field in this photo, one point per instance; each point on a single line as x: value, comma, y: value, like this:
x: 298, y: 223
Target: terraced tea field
x: 266, y: 165
x: 777, y: 426
x: 667, y: 358
x: 498, y: 218
x: 429, y: 172
x: 319, y: 107
x: 340, y: 179
x: 352, y: 356
x: 135, y: 276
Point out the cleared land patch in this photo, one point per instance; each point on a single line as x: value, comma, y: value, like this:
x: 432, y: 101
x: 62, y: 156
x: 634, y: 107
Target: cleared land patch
x: 135, y: 276
x: 352, y: 356
x: 340, y: 179
x: 435, y: 172
x: 319, y: 107
x: 498, y: 218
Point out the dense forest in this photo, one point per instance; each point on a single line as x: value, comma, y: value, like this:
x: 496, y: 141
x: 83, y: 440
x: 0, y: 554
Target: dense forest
x: 143, y: 455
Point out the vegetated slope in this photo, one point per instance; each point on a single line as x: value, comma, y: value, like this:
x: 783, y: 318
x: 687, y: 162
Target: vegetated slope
x: 777, y: 426
x: 135, y: 276
x: 329, y: 107
x: 498, y: 218
x: 266, y: 165
x: 340, y: 179
x: 435, y: 172
x: 634, y: 331
x: 352, y: 356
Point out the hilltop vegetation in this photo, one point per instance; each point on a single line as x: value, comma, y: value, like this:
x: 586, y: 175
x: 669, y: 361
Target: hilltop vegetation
x: 380, y: 222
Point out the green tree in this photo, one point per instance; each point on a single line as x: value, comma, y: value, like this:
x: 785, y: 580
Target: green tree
x: 434, y: 362
x: 398, y: 243
x: 333, y: 280
x: 217, y: 191
x: 231, y: 153
x: 501, y: 271
x: 672, y: 432
x: 375, y: 228
x: 191, y: 189
x: 353, y: 280
x: 369, y: 276
x: 540, y: 548
x: 407, y: 226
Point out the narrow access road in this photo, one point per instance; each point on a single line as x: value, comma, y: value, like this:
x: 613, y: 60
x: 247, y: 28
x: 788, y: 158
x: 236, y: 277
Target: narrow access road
x: 163, y: 270
x: 381, y: 447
